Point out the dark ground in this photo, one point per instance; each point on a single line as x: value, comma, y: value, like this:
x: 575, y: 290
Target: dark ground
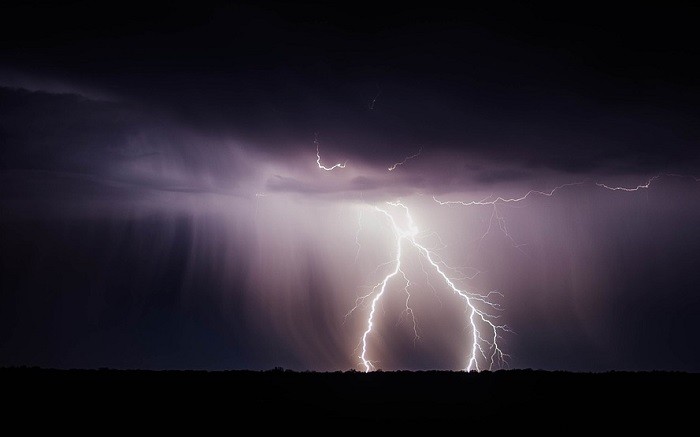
x: 503, y: 399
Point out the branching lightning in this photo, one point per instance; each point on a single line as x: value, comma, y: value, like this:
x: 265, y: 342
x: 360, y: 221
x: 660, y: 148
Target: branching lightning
x: 357, y: 236
x: 485, y: 330
x: 496, y: 216
x: 484, y: 350
x: 318, y: 159
x: 408, y: 310
x: 396, y: 164
x: 498, y: 219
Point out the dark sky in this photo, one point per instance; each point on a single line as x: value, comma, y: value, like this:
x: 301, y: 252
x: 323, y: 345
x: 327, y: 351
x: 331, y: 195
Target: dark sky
x: 160, y: 204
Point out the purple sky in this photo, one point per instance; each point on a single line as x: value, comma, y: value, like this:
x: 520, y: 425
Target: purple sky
x: 161, y: 205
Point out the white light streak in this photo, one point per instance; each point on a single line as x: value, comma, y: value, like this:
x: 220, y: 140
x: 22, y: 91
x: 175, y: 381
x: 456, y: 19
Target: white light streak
x: 485, y: 331
x: 318, y: 159
x: 393, y: 167
x: 484, y: 349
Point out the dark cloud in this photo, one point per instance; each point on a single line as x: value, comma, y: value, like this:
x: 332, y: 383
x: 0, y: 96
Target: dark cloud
x: 53, y: 138
x: 61, y: 131
x: 506, y: 175
x: 286, y: 184
x: 528, y: 85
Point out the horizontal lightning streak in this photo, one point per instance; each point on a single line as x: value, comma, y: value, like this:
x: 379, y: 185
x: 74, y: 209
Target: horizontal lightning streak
x: 318, y: 159
x: 637, y: 188
x: 499, y: 199
x: 393, y: 167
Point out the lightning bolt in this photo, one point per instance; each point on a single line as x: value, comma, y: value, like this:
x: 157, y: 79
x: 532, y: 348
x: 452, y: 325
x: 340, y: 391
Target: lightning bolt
x: 408, y: 310
x: 648, y: 183
x: 503, y: 200
x: 485, y: 331
x: 318, y: 158
x: 637, y: 188
x: 497, y: 219
x: 357, y: 235
x: 393, y: 167
x: 550, y: 193
x: 484, y: 350
x: 496, y: 216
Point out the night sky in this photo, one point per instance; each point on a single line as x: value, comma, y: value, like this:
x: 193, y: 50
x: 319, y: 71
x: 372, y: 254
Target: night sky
x: 161, y: 205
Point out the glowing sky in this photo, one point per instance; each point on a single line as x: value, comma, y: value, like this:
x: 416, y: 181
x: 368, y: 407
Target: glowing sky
x: 209, y: 188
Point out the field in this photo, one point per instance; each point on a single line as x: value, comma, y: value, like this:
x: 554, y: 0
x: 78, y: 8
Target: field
x: 488, y: 399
